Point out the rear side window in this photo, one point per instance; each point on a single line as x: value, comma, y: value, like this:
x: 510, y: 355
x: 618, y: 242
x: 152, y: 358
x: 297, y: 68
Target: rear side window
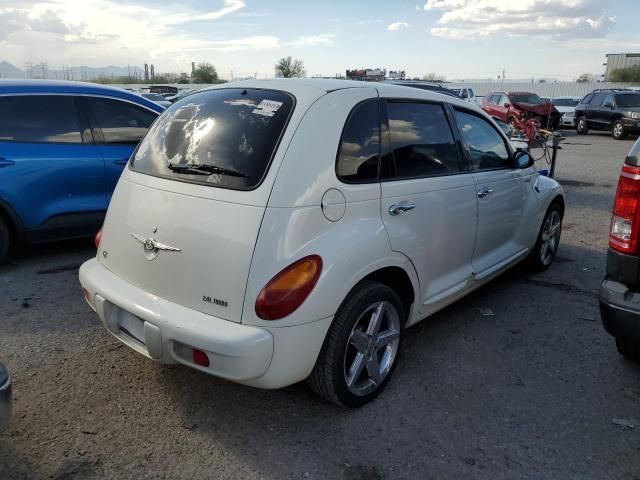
x: 39, y: 118
x: 119, y: 121
x: 421, y: 140
x: 360, y: 144
x: 221, y: 137
x: 485, y: 146
x: 597, y: 99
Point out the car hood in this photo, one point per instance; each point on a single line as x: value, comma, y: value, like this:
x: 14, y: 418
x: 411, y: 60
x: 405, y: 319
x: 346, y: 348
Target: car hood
x: 566, y: 109
x: 630, y: 109
x: 540, y: 109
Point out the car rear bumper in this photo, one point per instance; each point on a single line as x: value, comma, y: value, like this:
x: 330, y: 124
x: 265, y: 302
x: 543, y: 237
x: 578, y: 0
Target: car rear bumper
x: 5, y: 401
x: 620, y: 310
x: 168, y: 333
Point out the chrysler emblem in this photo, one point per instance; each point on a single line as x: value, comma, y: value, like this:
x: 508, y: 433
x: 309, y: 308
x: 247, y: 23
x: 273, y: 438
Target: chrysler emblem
x: 151, y: 247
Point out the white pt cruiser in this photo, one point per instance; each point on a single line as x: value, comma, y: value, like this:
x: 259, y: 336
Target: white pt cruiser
x: 268, y: 232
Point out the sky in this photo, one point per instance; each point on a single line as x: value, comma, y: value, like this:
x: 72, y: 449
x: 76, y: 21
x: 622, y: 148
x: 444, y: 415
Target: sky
x: 459, y: 39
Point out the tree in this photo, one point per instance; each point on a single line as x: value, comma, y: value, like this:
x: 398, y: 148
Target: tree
x: 585, y: 78
x: 631, y: 74
x: 205, y: 73
x: 288, y: 67
x: 433, y: 77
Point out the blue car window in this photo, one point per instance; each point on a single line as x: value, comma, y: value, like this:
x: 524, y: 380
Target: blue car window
x: 39, y: 118
x: 121, y: 122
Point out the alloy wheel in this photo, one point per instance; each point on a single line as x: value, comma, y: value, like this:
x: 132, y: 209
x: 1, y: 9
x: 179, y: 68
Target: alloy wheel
x: 550, y: 237
x: 372, y: 348
x: 618, y: 130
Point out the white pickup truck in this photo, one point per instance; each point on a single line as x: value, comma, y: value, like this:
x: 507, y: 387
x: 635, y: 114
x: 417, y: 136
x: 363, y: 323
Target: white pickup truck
x: 467, y: 94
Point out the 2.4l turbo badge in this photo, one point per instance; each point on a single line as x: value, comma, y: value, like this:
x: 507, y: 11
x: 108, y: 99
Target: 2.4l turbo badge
x: 215, y: 301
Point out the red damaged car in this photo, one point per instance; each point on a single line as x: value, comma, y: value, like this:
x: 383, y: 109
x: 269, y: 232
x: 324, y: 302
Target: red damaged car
x: 525, y: 111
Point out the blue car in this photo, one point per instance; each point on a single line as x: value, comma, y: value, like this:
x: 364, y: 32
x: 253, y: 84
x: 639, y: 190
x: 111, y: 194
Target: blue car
x: 63, y: 146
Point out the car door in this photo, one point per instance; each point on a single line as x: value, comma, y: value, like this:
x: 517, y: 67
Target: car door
x: 506, y: 201
x: 491, y: 104
x: 502, y: 112
x: 52, y: 174
x: 607, y: 111
x: 428, y: 203
x: 118, y: 126
x: 593, y: 111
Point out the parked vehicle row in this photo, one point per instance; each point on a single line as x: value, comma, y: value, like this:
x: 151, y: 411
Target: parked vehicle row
x: 238, y: 274
x: 63, y: 146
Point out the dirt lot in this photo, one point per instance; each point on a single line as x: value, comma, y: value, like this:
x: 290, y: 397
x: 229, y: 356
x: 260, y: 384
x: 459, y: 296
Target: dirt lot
x: 531, y: 392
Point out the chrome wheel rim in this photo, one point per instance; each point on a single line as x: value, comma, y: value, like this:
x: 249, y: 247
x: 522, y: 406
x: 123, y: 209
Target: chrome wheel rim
x: 581, y: 124
x: 372, y: 348
x: 617, y: 130
x: 550, y: 237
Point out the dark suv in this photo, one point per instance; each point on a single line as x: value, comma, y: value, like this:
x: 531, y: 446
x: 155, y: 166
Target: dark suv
x: 617, y: 111
x: 620, y: 292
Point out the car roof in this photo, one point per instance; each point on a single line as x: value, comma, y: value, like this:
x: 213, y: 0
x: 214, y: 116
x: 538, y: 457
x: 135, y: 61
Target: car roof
x: 69, y: 87
x: 312, y: 88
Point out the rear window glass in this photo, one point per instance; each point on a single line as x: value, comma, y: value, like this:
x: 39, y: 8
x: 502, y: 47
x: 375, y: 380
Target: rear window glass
x: 222, y: 137
x: 565, y: 102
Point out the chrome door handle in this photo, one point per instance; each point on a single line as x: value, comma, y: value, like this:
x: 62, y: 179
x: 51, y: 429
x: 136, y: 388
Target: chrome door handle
x: 398, y: 208
x: 485, y: 192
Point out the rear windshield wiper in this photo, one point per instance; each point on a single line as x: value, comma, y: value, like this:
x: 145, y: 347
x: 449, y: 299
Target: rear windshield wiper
x: 203, y: 169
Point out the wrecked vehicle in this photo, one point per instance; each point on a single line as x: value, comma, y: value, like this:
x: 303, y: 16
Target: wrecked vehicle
x: 524, y: 111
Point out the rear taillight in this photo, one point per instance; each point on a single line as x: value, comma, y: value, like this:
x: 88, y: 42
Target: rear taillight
x: 625, y: 221
x: 289, y: 289
x: 98, y: 238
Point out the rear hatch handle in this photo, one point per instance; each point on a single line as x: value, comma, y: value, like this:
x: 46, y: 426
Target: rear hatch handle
x: 6, y: 163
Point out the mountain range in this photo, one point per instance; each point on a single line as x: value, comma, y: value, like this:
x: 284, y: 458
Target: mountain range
x: 8, y: 70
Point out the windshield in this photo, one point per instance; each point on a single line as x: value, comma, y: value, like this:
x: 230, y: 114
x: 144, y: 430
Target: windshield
x: 628, y: 100
x: 220, y: 137
x: 455, y: 90
x: 565, y: 102
x: 153, y: 96
x: 526, y: 98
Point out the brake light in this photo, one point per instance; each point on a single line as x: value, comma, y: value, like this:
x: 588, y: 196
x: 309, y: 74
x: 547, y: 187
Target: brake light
x: 625, y: 221
x: 98, y: 238
x: 289, y: 289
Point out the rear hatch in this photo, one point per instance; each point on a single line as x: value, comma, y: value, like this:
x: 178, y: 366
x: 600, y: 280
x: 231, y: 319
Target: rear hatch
x: 185, y: 216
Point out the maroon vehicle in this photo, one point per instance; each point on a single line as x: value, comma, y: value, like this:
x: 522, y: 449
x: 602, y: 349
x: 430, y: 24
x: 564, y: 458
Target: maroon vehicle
x: 519, y: 108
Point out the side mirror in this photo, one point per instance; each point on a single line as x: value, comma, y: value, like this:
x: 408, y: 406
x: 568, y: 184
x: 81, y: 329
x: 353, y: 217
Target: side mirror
x: 522, y: 159
x: 507, y: 105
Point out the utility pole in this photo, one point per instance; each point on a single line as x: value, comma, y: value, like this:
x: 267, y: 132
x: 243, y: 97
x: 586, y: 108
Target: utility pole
x: 503, y: 75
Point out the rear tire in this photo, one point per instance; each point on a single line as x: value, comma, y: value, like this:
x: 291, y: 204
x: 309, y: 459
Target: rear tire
x: 5, y: 242
x: 361, y: 349
x: 618, y: 131
x: 546, y: 247
x: 629, y: 350
x: 581, y: 126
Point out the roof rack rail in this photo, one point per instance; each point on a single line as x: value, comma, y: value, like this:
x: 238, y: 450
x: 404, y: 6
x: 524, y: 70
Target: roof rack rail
x: 612, y: 90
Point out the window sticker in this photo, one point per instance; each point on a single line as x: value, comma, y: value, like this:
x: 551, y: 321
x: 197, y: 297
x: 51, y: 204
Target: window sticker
x: 267, y: 108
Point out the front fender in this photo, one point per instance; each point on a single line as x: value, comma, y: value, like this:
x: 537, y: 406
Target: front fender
x: 351, y: 249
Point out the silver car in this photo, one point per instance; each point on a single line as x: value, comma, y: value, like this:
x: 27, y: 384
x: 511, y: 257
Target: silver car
x: 5, y: 397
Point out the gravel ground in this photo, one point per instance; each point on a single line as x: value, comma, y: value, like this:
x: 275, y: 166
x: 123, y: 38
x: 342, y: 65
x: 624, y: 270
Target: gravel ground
x: 530, y: 392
